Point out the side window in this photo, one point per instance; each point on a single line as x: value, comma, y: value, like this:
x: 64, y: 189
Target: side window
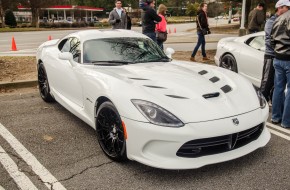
x: 64, y: 45
x: 75, y: 49
x: 258, y: 43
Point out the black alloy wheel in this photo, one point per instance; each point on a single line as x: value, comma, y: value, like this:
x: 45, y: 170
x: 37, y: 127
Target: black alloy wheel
x: 110, y: 132
x: 229, y: 62
x: 43, y: 84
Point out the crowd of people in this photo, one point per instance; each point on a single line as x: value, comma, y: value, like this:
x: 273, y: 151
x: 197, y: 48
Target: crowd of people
x: 276, y: 71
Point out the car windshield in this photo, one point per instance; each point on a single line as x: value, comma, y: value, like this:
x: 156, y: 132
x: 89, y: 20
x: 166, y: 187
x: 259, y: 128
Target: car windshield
x: 122, y: 50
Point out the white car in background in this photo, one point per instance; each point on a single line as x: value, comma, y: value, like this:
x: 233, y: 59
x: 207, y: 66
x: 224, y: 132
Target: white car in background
x: 148, y: 108
x: 244, y: 55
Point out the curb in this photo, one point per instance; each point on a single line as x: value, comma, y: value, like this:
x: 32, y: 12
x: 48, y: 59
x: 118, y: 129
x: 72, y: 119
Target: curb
x: 18, y: 84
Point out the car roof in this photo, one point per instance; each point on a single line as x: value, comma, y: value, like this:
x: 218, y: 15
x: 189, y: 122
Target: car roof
x: 246, y: 37
x: 85, y: 35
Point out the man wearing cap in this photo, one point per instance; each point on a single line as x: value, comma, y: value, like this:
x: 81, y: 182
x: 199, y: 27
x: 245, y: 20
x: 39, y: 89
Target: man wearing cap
x: 267, y: 82
x: 118, y: 17
x: 280, y: 41
x: 256, y: 18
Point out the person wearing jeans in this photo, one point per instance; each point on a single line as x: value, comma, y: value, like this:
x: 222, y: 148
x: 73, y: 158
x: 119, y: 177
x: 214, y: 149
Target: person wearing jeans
x: 201, y: 24
x: 280, y: 40
x: 281, y: 103
x: 200, y: 42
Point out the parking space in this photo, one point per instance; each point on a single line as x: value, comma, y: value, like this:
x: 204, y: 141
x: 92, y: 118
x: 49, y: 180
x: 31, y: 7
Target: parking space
x: 63, y: 153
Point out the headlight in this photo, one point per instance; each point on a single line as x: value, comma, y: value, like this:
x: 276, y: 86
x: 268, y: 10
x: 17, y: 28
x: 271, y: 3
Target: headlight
x: 261, y: 97
x: 156, y: 114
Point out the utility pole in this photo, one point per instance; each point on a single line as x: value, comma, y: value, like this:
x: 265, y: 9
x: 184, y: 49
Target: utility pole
x: 242, y: 30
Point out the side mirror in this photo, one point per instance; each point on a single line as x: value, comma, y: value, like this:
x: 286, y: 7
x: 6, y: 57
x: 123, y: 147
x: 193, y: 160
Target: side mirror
x: 169, y: 52
x: 65, y: 56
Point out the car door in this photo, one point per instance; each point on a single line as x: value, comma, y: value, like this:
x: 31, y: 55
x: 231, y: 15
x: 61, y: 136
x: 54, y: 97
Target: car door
x: 68, y: 83
x: 251, y: 58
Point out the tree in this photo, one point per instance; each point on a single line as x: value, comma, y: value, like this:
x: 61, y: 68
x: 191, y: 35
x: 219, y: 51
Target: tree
x: 10, y: 19
x: 192, y: 9
x: 4, y: 5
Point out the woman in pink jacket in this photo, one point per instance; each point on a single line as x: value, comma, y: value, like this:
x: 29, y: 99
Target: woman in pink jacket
x: 161, y: 26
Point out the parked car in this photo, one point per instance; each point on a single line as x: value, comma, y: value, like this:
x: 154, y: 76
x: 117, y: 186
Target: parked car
x: 147, y: 107
x: 244, y: 55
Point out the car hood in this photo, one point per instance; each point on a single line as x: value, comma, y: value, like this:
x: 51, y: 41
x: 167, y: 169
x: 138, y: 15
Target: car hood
x: 185, y: 89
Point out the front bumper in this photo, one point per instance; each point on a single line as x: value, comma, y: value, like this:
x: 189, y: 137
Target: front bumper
x: 217, y: 60
x: 157, y: 146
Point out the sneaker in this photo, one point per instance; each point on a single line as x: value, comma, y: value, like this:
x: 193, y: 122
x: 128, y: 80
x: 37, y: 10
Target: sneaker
x: 284, y: 126
x: 192, y: 59
x: 205, y: 59
x: 275, y: 122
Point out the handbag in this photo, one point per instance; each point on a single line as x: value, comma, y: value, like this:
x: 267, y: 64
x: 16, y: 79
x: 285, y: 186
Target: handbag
x: 161, y: 36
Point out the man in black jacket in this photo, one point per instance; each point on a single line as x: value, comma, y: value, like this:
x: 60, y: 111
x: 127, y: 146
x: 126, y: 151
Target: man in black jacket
x: 280, y: 41
x: 202, y: 29
x: 149, y: 20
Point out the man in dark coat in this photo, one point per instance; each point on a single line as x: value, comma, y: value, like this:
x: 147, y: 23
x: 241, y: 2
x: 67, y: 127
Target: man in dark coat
x: 256, y: 18
x: 149, y: 20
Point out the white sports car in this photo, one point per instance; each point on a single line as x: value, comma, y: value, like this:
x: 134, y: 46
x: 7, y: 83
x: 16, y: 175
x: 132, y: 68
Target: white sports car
x: 244, y: 55
x: 148, y: 108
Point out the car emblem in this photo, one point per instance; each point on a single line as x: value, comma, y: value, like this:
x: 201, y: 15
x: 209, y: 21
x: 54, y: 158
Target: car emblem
x: 236, y: 121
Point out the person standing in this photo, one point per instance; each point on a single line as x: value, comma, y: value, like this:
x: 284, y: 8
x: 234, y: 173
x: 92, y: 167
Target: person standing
x: 256, y: 18
x: 161, y: 26
x: 149, y: 20
x: 129, y: 21
x: 201, y: 25
x: 280, y: 41
x: 267, y: 82
x: 117, y: 17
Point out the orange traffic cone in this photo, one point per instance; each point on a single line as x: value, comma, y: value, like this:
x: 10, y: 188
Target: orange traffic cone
x: 174, y: 30
x: 169, y: 31
x: 13, y: 46
x: 49, y: 37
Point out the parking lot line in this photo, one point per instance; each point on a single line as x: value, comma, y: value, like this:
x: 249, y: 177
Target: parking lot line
x: 47, y: 178
x: 279, y: 134
x: 278, y: 128
x: 22, y: 181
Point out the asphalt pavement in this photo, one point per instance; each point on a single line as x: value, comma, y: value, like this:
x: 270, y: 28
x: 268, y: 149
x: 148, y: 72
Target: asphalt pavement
x: 54, y: 149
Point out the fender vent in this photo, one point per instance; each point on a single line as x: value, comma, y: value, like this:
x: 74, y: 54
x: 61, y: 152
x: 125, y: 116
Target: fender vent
x: 178, y: 97
x: 214, y: 79
x: 149, y: 86
x: 211, y: 95
x: 138, y: 79
x: 203, y: 72
x: 226, y: 88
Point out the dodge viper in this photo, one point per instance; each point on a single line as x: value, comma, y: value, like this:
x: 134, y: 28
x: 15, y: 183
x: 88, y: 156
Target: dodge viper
x: 147, y: 107
x: 244, y: 55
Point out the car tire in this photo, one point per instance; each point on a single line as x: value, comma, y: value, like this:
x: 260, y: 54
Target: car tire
x: 110, y: 132
x: 43, y: 84
x: 228, y: 61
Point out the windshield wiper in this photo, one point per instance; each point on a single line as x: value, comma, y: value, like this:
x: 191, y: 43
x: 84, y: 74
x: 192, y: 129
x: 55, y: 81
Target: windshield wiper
x: 112, y: 62
x: 162, y: 59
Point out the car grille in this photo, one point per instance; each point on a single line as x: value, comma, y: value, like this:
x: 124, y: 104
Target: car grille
x: 220, y: 144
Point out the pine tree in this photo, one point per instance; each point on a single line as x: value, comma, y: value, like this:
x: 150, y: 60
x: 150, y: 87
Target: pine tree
x: 10, y: 19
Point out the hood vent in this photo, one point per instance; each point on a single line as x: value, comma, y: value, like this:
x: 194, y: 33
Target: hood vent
x: 214, y: 79
x: 203, y: 72
x: 211, y: 95
x: 226, y: 88
x: 178, y: 97
x: 149, y: 86
x: 138, y: 79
